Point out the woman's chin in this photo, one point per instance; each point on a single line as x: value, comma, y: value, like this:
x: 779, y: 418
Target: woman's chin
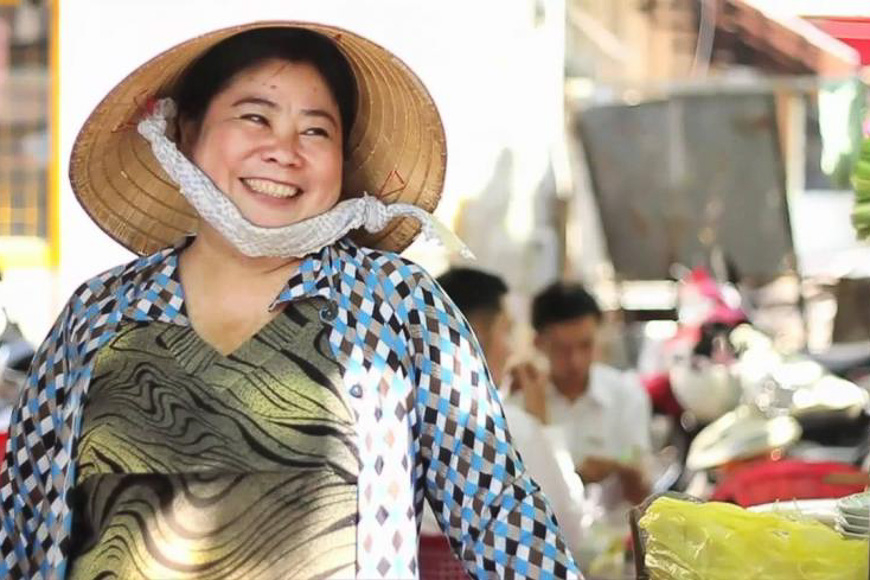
x: 272, y: 222
x: 270, y: 217
x: 280, y: 219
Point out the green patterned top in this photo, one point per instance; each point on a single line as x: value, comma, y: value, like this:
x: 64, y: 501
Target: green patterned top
x: 198, y: 465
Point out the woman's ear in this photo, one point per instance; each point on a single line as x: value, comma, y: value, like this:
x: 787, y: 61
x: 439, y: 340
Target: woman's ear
x: 187, y: 132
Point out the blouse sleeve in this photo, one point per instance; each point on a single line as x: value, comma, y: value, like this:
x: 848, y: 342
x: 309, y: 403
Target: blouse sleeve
x: 31, y: 503
x: 496, y: 518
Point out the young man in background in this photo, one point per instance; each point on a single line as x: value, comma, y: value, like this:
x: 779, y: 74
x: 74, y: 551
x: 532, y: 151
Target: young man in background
x: 603, y: 413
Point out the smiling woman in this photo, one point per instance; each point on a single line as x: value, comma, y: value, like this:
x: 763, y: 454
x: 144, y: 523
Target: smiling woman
x: 271, y: 134
x: 265, y: 392
x: 271, y: 141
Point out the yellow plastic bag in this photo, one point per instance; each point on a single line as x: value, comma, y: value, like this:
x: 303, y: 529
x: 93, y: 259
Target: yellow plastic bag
x: 717, y: 541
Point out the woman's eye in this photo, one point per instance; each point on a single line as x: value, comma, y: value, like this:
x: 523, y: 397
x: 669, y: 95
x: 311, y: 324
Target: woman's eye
x: 316, y: 131
x: 255, y: 118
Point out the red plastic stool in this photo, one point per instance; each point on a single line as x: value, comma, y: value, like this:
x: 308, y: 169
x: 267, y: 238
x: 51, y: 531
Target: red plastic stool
x: 437, y: 560
x: 770, y: 481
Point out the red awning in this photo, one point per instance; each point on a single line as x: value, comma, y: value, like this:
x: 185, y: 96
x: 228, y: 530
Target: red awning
x: 791, y: 42
x: 852, y: 31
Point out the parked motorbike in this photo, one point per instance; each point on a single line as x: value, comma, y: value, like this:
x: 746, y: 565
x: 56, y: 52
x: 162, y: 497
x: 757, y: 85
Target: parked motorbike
x: 732, y: 397
x: 791, y: 408
x: 697, y: 383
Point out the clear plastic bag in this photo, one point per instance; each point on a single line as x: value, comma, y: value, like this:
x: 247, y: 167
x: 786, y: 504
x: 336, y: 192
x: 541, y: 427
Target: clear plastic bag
x: 717, y: 541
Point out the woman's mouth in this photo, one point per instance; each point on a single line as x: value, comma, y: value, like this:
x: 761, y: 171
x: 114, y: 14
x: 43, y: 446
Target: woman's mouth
x: 272, y: 188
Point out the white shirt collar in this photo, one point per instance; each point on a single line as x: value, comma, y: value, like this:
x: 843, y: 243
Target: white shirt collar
x: 596, y: 391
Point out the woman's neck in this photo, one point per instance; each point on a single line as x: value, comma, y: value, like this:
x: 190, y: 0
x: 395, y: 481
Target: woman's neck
x: 229, y: 297
x: 212, y: 251
x: 215, y: 263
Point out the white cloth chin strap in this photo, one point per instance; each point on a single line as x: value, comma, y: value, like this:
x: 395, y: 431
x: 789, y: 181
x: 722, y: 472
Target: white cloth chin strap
x: 295, y: 240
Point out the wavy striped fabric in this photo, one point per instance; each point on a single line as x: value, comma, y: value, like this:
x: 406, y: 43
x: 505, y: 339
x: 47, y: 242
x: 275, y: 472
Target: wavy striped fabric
x: 198, y: 465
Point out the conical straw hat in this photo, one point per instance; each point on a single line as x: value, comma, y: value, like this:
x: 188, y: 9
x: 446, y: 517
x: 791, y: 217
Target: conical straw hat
x: 397, y: 148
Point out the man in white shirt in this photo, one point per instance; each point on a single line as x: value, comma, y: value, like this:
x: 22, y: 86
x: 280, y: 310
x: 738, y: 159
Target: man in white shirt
x: 602, y: 414
x: 481, y: 298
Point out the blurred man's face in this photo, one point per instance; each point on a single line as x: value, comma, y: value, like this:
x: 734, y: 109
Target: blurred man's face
x: 493, y: 330
x: 570, y: 348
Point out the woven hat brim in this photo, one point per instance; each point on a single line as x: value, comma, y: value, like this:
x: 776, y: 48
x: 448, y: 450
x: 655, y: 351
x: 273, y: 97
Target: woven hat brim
x: 396, y: 151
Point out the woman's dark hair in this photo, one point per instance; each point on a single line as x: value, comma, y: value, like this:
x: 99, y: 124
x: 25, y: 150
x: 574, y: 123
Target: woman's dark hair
x: 214, y: 70
x: 561, y: 302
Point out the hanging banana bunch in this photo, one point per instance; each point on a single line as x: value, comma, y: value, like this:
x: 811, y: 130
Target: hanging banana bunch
x: 861, y: 185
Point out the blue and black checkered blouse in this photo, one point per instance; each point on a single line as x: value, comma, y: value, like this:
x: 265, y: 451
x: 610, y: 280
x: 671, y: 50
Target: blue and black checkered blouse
x: 429, y: 423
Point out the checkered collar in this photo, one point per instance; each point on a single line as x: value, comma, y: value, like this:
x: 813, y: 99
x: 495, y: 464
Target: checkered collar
x: 162, y: 297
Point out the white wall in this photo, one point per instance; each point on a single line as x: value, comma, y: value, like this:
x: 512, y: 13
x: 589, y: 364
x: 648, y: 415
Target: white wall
x: 494, y: 68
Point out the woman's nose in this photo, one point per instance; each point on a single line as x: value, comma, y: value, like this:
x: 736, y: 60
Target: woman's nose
x: 284, y: 150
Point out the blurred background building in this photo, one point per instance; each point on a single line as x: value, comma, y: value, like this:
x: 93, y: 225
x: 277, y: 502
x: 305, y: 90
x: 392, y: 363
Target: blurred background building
x: 745, y: 117
x: 29, y: 255
x: 721, y: 102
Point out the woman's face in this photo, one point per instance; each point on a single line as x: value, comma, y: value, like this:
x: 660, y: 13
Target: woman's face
x: 271, y: 141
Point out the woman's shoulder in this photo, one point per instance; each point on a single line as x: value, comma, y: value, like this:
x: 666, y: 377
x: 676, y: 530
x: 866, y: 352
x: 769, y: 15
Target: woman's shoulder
x: 120, y: 281
x: 389, y: 271
x: 97, y: 303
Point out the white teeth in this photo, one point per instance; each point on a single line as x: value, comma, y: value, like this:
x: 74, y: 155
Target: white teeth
x: 271, y: 188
